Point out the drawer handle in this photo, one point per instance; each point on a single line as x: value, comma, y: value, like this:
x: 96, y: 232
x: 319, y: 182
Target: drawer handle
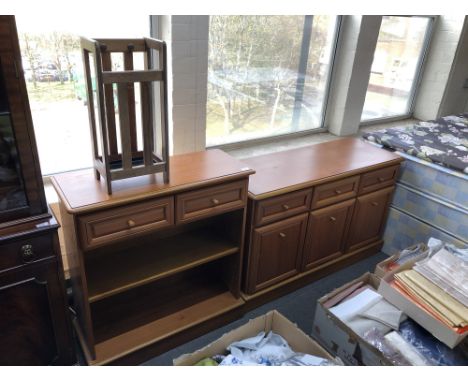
x: 375, y: 203
x: 332, y: 218
x: 283, y: 235
x: 27, y: 253
x: 381, y: 179
x: 215, y: 201
x: 131, y: 223
x: 285, y: 206
x: 338, y: 192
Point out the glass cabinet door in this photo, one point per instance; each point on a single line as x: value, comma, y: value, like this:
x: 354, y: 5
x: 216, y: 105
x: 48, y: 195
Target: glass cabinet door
x: 12, y: 191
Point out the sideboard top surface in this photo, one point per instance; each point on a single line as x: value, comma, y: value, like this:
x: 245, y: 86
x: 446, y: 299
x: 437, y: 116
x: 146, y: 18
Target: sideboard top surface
x: 290, y: 170
x: 81, y: 192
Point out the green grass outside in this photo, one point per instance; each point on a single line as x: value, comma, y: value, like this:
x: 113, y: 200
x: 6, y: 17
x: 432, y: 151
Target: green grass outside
x: 51, y: 91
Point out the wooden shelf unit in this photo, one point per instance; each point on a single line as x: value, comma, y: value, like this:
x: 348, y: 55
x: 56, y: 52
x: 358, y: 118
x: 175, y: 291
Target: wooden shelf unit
x: 127, y: 321
x: 151, y: 264
x: 133, y: 267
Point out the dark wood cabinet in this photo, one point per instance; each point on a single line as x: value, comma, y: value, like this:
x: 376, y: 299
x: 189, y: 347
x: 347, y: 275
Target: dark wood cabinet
x: 326, y: 233
x: 276, y: 252
x: 369, y: 218
x: 341, y: 190
x: 21, y: 186
x: 35, y: 327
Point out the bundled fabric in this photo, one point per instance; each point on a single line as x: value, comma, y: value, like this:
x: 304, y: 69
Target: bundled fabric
x: 377, y: 340
x: 368, y: 310
x: 413, y: 345
x: 269, y: 350
x: 436, y: 352
x: 405, y: 349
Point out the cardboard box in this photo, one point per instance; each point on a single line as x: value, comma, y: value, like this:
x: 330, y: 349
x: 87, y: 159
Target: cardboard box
x: 273, y: 320
x: 341, y: 340
x: 437, y: 328
x: 381, y: 268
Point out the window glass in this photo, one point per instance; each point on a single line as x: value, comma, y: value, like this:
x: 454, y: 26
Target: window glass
x: 396, y: 65
x: 53, y: 69
x: 267, y: 75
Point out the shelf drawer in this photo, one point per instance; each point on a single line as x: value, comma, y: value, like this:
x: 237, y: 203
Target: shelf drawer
x: 280, y: 207
x: 210, y: 201
x: 375, y: 180
x: 111, y: 225
x: 333, y: 192
x: 26, y: 251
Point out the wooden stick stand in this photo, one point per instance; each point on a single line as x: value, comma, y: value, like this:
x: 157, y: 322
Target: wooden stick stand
x: 110, y: 162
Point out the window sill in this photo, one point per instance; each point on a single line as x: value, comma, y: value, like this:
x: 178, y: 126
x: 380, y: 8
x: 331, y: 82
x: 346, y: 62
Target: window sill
x: 288, y: 143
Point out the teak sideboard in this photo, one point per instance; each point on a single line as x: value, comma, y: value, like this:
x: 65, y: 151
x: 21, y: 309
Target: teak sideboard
x: 153, y: 259
x: 314, y: 207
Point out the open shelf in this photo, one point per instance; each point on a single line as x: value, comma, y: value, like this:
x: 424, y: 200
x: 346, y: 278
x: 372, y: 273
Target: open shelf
x: 116, y: 272
x: 141, y: 316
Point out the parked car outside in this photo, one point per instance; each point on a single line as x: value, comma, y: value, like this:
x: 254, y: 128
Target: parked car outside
x: 48, y: 71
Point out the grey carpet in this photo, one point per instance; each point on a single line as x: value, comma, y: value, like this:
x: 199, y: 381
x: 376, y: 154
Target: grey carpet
x: 298, y: 306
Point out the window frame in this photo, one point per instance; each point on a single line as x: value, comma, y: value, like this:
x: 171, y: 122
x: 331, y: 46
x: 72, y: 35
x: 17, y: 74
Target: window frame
x: 296, y: 134
x: 417, y: 78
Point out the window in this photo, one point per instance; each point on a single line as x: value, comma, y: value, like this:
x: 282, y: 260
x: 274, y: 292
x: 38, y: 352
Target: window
x: 397, y: 63
x: 267, y: 75
x: 52, y: 64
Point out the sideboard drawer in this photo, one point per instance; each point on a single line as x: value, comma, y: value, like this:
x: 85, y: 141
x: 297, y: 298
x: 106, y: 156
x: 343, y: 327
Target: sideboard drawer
x: 117, y: 223
x: 210, y: 201
x: 375, y: 180
x: 25, y: 251
x: 280, y: 207
x: 330, y: 193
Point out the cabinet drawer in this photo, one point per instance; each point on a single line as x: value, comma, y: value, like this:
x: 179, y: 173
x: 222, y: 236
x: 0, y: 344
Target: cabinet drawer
x: 210, y: 201
x: 375, y: 180
x: 330, y: 193
x: 25, y: 251
x: 120, y: 222
x: 280, y: 207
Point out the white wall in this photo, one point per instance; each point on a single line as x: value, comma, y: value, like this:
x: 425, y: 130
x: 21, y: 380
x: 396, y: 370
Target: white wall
x: 352, y: 71
x: 187, y: 38
x: 438, y: 67
x: 455, y: 97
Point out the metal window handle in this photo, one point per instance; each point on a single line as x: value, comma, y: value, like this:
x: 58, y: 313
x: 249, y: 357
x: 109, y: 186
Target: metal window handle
x: 27, y: 253
x: 285, y: 206
x: 332, y: 218
x: 131, y: 223
x: 375, y: 203
x: 215, y: 201
x: 337, y: 192
x: 283, y: 235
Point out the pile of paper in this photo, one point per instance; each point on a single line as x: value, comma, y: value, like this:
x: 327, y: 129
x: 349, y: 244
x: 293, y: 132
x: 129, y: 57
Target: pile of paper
x: 439, y: 285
